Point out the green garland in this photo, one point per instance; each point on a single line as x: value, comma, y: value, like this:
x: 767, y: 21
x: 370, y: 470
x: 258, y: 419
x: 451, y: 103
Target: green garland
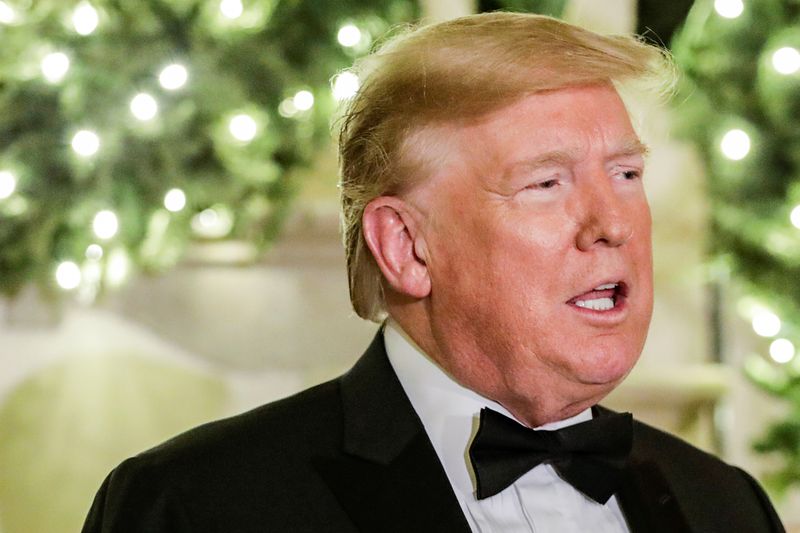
x: 72, y: 66
x: 740, y: 103
x: 110, y: 164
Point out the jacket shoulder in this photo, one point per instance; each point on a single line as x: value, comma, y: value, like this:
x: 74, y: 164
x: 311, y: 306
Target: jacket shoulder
x: 242, y: 473
x: 711, y: 492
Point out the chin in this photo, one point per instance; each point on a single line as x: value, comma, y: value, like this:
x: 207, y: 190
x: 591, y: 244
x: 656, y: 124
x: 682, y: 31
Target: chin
x: 609, y: 369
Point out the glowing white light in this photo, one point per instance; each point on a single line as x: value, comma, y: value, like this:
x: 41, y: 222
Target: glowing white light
x: 175, y: 200
x: 105, y: 224
x: 345, y: 85
x: 144, y: 107
x: 735, y: 145
x: 173, y: 77
x: 68, y: 275
x: 85, y: 18
x: 795, y: 217
x: 214, y: 222
x: 781, y: 350
x: 8, y: 182
x: 766, y: 323
x: 303, y: 100
x: 94, y: 252
x: 118, y: 267
x: 243, y: 127
x: 7, y: 14
x: 349, y: 35
x: 55, y: 66
x: 231, y: 9
x: 786, y: 60
x: 86, y: 143
x: 287, y: 108
x: 730, y: 9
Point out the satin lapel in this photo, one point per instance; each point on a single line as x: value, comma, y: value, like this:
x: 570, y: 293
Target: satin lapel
x: 389, y: 478
x: 646, y: 497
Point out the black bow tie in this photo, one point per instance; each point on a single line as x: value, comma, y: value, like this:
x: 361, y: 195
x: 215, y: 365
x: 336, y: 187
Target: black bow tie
x: 590, y: 456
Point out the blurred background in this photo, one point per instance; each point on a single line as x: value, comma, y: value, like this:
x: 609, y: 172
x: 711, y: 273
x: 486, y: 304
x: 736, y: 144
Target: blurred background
x: 169, y: 246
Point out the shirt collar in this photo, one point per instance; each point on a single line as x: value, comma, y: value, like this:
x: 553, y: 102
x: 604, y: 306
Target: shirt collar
x: 448, y: 410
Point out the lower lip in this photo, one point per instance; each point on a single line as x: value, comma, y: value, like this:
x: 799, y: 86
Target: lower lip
x: 610, y: 316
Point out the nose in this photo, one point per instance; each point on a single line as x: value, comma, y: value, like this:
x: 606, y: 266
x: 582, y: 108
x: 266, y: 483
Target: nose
x: 605, y: 220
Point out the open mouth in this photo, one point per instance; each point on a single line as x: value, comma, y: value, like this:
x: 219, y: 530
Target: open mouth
x: 604, y: 297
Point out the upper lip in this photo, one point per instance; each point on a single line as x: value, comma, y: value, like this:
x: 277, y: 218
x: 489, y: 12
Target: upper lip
x: 621, y: 288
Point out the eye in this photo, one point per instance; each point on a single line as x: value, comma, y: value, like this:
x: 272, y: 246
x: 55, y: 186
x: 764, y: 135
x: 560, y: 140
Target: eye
x: 629, y: 175
x: 546, y: 184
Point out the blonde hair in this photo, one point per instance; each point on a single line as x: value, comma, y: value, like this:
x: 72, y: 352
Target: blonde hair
x: 460, y: 69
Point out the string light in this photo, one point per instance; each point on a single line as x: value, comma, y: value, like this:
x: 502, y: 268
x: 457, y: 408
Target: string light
x: 786, y: 60
x: 85, y: 18
x: 345, y: 85
x: 287, y: 108
x: 730, y: 9
x: 7, y: 14
x: 68, y: 275
x: 94, y: 252
x: 118, y: 267
x: 794, y: 216
x: 105, y: 224
x: 766, y: 323
x: 175, y: 200
x: 231, y: 9
x: 349, y: 36
x: 781, y: 350
x: 144, y: 107
x: 86, y: 143
x: 303, y: 100
x: 173, y: 77
x: 735, y: 144
x: 213, y: 223
x: 8, y: 183
x: 243, y: 127
x: 55, y: 66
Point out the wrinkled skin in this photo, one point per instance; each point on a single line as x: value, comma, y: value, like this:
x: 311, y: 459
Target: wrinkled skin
x: 534, y: 205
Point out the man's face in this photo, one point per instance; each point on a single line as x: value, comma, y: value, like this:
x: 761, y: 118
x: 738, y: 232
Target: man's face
x: 538, y: 250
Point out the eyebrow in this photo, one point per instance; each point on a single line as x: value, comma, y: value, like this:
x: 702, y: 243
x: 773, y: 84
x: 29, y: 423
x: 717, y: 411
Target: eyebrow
x: 631, y: 147
x: 628, y: 148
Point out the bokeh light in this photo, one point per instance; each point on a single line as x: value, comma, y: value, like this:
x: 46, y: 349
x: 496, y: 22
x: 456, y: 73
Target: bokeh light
x: 105, y: 224
x: 345, y: 85
x: 55, y: 66
x: 86, y: 143
x: 175, y: 200
x: 349, y: 35
x: 735, y: 144
x: 173, y: 77
x: 781, y: 350
x: 68, y: 275
x: 8, y: 183
x: 730, y: 9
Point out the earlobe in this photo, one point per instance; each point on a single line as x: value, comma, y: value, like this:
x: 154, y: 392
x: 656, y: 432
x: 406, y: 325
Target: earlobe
x: 400, y: 253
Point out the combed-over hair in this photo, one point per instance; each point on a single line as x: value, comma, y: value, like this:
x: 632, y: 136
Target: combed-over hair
x: 456, y: 70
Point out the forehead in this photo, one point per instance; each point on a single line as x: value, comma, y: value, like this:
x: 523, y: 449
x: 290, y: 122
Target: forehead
x: 574, y: 122
x: 560, y: 127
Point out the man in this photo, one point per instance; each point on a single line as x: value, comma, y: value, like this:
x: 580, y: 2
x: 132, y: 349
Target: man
x: 493, y: 207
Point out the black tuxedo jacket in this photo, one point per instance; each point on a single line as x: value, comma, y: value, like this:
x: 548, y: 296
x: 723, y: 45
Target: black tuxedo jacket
x: 351, y: 455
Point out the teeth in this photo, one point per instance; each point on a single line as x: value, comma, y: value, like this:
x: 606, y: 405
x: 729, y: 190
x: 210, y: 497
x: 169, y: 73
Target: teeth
x: 600, y: 304
x: 606, y: 286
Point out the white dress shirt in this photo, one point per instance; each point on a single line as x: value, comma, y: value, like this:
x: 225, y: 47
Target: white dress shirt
x: 540, y: 501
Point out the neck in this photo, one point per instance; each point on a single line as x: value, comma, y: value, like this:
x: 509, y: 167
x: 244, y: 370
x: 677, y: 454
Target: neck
x: 547, y: 402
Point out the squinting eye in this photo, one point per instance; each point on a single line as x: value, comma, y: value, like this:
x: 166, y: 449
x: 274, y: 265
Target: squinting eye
x: 549, y: 184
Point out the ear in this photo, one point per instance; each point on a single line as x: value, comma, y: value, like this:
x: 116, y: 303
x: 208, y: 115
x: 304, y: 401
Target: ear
x: 390, y: 232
